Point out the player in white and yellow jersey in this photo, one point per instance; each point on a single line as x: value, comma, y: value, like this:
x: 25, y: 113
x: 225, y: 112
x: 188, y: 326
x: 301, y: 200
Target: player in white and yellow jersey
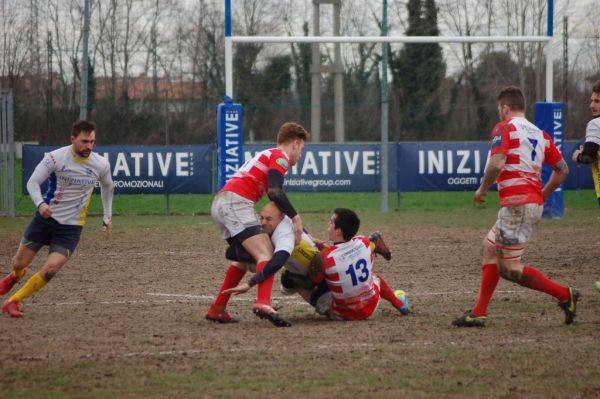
x: 72, y: 173
x: 590, y: 152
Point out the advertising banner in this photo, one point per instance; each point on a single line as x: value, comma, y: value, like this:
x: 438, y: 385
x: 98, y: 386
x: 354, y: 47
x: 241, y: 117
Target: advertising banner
x: 142, y: 169
x: 441, y: 166
x: 334, y: 167
x: 550, y: 118
x: 230, y: 148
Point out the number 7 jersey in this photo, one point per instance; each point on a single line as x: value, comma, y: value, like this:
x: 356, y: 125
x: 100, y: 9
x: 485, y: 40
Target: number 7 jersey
x: 526, y: 148
x: 348, y: 271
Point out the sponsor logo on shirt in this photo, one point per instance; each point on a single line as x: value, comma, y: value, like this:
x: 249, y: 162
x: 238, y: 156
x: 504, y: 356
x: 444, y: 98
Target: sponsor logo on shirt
x: 496, y: 141
x: 282, y: 162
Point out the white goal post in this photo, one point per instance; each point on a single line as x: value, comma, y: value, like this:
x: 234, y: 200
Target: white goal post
x: 230, y: 40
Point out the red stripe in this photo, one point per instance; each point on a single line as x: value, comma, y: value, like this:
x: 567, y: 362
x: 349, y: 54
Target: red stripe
x: 513, y: 159
x: 514, y: 143
x: 328, y: 262
x: 510, y: 248
x: 333, y: 277
x: 336, y: 289
x: 517, y: 174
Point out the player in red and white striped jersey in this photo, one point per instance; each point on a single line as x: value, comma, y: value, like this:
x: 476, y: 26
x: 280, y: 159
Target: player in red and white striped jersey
x: 233, y: 212
x: 349, y: 288
x: 519, y: 149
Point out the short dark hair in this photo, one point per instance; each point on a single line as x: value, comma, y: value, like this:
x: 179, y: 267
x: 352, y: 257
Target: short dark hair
x: 513, y: 97
x: 82, y: 126
x: 596, y: 87
x: 291, y: 131
x: 347, y: 220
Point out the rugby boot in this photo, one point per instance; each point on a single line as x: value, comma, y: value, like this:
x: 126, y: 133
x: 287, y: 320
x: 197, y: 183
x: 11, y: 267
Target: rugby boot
x: 470, y: 320
x: 11, y: 308
x: 380, y: 247
x: 401, y: 295
x: 570, y: 305
x: 267, y: 312
x: 219, y: 315
x: 7, y: 283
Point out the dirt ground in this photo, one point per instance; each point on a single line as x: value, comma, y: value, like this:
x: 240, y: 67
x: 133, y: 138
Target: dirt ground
x: 125, y: 319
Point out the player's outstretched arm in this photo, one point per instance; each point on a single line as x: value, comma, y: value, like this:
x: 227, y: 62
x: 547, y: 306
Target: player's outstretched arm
x: 272, y: 266
x: 107, y: 187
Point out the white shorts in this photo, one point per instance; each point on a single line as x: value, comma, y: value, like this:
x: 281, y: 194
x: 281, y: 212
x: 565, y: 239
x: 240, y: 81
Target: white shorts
x: 514, y: 229
x: 325, y: 303
x: 233, y: 213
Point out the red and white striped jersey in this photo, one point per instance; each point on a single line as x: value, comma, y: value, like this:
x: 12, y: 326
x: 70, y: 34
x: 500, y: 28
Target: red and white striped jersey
x: 348, y: 271
x: 251, y: 180
x: 526, y: 148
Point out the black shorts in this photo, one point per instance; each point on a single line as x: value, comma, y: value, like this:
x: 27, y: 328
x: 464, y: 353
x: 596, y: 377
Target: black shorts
x: 42, y: 232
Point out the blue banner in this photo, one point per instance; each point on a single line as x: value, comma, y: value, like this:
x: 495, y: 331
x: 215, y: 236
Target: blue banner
x: 441, y: 166
x: 334, y: 167
x: 550, y: 118
x: 230, y: 150
x: 148, y: 169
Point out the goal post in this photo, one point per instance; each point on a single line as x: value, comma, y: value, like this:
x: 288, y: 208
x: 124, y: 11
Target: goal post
x: 230, y: 39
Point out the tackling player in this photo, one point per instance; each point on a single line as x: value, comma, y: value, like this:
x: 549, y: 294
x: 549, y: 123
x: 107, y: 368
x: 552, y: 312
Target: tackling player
x: 519, y: 149
x: 72, y: 173
x: 233, y: 212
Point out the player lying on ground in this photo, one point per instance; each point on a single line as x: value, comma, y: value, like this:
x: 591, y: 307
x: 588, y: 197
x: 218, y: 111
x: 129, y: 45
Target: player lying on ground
x: 354, y: 295
x: 72, y: 172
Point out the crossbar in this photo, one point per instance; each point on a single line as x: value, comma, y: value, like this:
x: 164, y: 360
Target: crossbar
x: 388, y: 39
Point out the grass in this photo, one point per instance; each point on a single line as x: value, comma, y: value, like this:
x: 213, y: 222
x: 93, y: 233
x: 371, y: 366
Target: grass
x: 193, y: 204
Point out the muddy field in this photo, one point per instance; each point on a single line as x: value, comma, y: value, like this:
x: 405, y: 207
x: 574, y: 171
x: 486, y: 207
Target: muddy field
x: 126, y: 319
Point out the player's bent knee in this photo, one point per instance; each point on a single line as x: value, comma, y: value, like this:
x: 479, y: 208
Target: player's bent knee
x: 509, y: 273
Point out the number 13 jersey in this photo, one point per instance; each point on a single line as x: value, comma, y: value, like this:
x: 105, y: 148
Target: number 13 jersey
x: 348, y: 271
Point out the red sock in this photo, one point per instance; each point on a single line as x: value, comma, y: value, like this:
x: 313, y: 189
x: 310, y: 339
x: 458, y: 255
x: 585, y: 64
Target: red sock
x: 489, y: 281
x: 263, y: 295
x: 536, y: 280
x: 388, y: 294
x: 233, y: 276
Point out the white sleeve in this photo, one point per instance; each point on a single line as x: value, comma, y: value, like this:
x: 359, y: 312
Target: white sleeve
x: 283, y: 236
x: 107, y: 187
x: 41, y: 173
x: 592, y: 131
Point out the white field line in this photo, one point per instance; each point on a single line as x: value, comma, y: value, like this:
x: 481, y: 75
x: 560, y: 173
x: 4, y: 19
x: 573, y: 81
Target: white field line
x: 179, y: 298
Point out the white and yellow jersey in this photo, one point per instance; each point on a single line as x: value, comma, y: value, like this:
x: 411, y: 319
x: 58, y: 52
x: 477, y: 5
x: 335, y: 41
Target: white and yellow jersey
x: 301, y: 256
x: 71, y: 182
x: 592, y: 134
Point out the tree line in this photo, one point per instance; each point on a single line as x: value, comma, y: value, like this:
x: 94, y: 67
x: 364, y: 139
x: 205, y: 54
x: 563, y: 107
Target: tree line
x: 156, y: 69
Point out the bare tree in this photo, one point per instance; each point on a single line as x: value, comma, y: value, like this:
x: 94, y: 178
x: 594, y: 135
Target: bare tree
x: 14, y: 46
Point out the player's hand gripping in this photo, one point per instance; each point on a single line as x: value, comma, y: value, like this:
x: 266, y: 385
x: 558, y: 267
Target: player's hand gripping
x: 298, y: 229
x: 240, y: 289
x: 576, y: 153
